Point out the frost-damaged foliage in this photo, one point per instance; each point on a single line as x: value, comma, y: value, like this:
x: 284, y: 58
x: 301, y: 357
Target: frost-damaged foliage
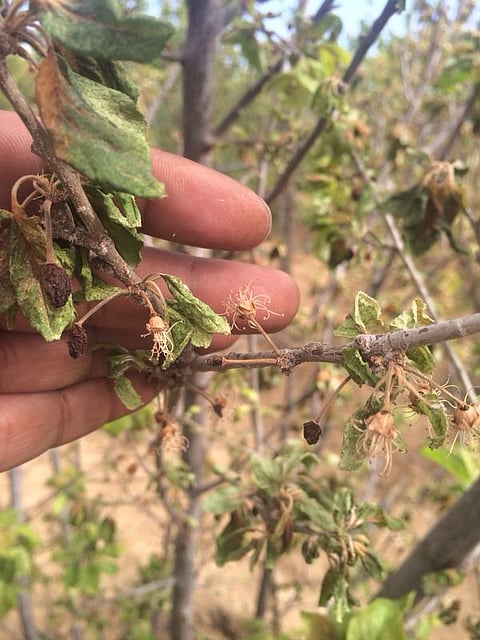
x: 283, y: 504
x: 87, y: 105
x: 401, y: 381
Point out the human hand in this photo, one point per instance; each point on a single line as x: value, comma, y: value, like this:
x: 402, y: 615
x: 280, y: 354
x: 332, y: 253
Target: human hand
x: 48, y: 399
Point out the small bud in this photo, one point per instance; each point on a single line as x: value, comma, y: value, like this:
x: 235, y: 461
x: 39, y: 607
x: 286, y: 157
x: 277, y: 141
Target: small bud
x: 77, y: 340
x: 56, y: 283
x: 312, y: 431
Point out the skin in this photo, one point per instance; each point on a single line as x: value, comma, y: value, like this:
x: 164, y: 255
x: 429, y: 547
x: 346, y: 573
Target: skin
x: 46, y: 398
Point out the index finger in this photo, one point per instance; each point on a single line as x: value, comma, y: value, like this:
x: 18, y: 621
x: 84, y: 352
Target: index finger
x: 202, y: 207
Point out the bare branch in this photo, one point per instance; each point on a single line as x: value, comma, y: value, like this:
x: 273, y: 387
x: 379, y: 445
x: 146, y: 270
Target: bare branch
x: 368, y: 344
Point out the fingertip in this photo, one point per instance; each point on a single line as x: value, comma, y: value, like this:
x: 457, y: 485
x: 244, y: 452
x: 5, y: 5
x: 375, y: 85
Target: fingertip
x: 204, y: 207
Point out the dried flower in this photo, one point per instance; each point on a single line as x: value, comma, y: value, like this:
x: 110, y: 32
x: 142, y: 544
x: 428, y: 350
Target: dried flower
x: 56, y: 283
x: 170, y: 436
x: 244, y: 306
x: 379, y: 440
x: 466, y: 422
x: 77, y: 340
x: 312, y: 431
x: 160, y: 331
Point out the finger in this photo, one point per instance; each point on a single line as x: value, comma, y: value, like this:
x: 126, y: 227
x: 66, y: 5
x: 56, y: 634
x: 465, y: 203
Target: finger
x: 203, y: 207
x: 214, y: 281
x: 32, y: 423
x: 16, y: 158
x: 30, y: 364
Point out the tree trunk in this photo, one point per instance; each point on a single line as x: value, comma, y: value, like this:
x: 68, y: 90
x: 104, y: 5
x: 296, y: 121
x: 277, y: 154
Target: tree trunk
x: 445, y: 546
x: 205, y: 21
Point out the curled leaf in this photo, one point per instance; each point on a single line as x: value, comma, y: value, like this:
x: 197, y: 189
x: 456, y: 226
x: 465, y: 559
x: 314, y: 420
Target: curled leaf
x: 95, y: 129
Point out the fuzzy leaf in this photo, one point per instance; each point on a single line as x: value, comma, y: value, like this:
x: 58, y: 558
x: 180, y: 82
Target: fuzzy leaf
x: 126, y: 392
x: 222, y: 500
x: 98, y: 29
x: 95, y: 129
x: 198, y: 312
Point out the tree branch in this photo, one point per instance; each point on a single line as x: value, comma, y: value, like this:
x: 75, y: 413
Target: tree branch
x: 365, y: 42
x: 368, y: 344
x: 445, y: 546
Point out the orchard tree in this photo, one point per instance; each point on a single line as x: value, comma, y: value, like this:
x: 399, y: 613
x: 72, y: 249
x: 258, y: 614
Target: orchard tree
x: 369, y: 166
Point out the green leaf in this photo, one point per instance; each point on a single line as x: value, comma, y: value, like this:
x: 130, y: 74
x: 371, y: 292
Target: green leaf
x: 422, y: 357
x: 126, y: 392
x: 25, y: 257
x: 365, y: 318
x: 438, y: 419
x: 461, y: 464
x: 97, y: 28
x: 310, y: 508
x: 93, y: 287
x: 416, y: 316
x: 192, y: 308
x: 357, y: 368
x: 120, y: 218
x: 223, y: 500
x: 267, y: 474
x: 96, y: 129
x: 382, y: 619
x: 191, y: 320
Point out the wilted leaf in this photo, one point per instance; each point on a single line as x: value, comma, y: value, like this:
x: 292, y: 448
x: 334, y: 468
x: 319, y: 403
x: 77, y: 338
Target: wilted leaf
x: 357, y: 368
x: 438, y: 420
x: 119, y: 218
x: 194, y: 309
x: 416, y: 316
x: 191, y: 320
x: 232, y: 543
x: 365, y: 318
x: 26, y: 251
x: 97, y: 28
x: 350, y: 457
x: 428, y: 208
x: 93, y: 287
x: 95, y: 129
